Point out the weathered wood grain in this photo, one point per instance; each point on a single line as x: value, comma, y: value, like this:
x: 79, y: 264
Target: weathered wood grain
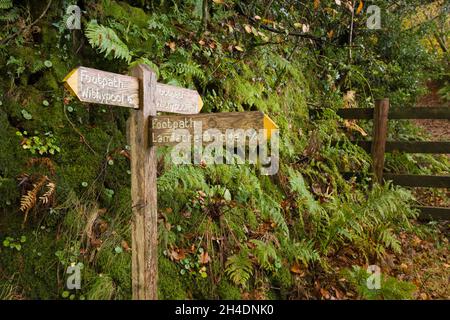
x: 97, y: 86
x: 143, y: 191
x: 177, y: 100
x: 162, y: 127
x: 380, y: 128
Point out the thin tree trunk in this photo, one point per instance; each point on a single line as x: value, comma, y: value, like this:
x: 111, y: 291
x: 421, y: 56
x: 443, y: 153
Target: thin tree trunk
x: 205, y: 15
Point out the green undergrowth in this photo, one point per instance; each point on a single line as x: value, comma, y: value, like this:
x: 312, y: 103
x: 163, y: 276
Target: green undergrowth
x: 225, y: 231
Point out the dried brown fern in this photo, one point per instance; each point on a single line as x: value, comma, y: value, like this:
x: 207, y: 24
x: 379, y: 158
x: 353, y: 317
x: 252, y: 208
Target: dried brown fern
x: 45, y: 162
x: 48, y: 195
x: 28, y: 201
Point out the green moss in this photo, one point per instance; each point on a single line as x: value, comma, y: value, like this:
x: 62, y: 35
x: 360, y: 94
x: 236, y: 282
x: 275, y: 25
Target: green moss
x: 169, y: 285
x: 34, y: 265
x: 101, y: 288
x: 228, y: 291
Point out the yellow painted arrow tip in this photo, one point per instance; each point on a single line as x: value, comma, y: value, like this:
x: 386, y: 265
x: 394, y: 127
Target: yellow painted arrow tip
x: 66, y: 78
x: 269, y: 125
x: 71, y: 82
x: 200, y: 103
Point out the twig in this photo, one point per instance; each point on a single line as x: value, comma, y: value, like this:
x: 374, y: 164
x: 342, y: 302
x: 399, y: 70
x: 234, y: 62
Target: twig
x: 289, y: 33
x: 78, y: 131
x: 4, y: 41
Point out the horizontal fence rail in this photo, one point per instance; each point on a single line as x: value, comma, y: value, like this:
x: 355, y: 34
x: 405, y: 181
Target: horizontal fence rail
x: 412, y: 180
x: 398, y: 113
x: 430, y: 147
x: 394, y: 113
x: 434, y: 212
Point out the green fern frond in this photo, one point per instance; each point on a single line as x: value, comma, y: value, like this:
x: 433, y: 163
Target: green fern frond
x: 298, y: 186
x: 106, y: 40
x: 6, y: 4
x: 37, y: 66
x: 266, y: 254
x: 10, y: 15
x: 305, y: 252
x: 239, y: 268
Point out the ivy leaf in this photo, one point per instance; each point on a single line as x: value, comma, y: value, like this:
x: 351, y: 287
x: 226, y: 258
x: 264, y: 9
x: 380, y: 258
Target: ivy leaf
x: 26, y: 114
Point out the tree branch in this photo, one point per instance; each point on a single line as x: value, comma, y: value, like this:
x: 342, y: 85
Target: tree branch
x: 4, y: 41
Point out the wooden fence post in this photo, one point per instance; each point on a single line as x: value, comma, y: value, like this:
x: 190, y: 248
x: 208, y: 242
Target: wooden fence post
x: 380, y: 126
x: 143, y: 190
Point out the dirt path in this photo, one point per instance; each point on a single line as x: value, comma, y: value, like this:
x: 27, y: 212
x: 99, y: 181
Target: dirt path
x: 438, y: 129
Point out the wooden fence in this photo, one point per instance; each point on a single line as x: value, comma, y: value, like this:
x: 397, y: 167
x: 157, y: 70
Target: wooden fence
x: 379, y: 145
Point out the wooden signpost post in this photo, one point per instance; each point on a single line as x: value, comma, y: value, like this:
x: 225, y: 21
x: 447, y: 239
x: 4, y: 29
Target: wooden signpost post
x: 146, y: 97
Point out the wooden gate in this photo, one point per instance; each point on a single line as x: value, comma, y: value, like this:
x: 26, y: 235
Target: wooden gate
x: 379, y: 145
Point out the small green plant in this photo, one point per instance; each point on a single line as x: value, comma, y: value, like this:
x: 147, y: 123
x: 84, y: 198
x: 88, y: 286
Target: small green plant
x: 72, y: 296
x: 195, y: 265
x: 390, y: 287
x: 26, y: 115
x: 14, y: 243
x: 46, y: 145
x: 239, y: 268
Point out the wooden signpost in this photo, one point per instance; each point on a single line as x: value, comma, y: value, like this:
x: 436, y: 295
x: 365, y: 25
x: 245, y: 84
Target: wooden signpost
x: 146, y: 97
x: 163, y: 127
x: 96, y: 86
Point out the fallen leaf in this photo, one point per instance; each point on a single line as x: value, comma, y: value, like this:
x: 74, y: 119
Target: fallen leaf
x: 238, y: 48
x: 172, y: 45
x: 125, y: 245
x: 204, y: 258
x: 423, y: 296
x: 295, y: 268
x: 360, y: 7
x: 177, y: 254
x: 248, y: 29
x: 305, y: 28
x: 353, y: 126
x: 325, y: 294
x: 330, y: 34
x: 339, y: 294
x: 316, y: 4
